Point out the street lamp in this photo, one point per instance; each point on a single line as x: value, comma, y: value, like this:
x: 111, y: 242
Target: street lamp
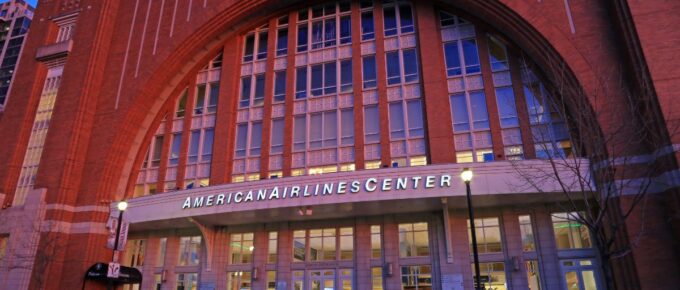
x: 466, y: 176
x: 122, y: 206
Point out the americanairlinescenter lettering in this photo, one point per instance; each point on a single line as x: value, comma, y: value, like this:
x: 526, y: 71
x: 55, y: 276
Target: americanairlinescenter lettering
x: 320, y: 189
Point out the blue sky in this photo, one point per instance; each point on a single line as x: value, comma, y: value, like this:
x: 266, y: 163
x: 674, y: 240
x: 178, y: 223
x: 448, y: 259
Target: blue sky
x: 32, y: 2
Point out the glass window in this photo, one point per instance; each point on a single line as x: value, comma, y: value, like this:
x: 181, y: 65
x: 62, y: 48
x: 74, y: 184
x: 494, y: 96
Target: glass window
x: 415, y: 119
x: 527, y: 232
x: 249, y: 48
x: 452, y: 58
x: 301, y: 83
x: 258, y: 98
x: 376, y: 242
x: 189, y: 250
x: 492, y: 275
x: 277, y: 136
x: 299, y: 133
x: 282, y: 42
x: 416, y: 277
x: 569, y: 233
x: 347, y: 126
x: 459, y: 110
x: 280, y: 86
x: 367, y: 25
x: 488, y: 235
x: 322, y: 244
x: 245, y: 92
x: 200, y: 99
x: 302, y: 41
x: 397, y: 121
x: 330, y: 78
x: 376, y: 278
x: 406, y: 18
x: 346, y: 75
x: 410, y: 65
x: 208, y: 137
x: 271, y: 280
x: 371, y: 124
x: 187, y: 281
x: 507, y: 110
x: 299, y: 246
x: 329, y: 28
x: 157, y: 151
x: 480, y: 116
x: 272, y: 250
x: 174, y: 149
x: 214, y: 96
x: 255, y: 138
x: 579, y: 274
x: 369, y: 71
x: 241, y: 248
x: 262, y: 45
x: 533, y: 276
x: 446, y: 19
x: 393, y: 67
x: 497, y: 54
x: 194, y: 141
x: 413, y: 240
x: 181, y: 105
x: 471, y: 56
x: 345, y: 30
x: 317, y: 80
x: 390, y: 21
x: 239, y: 280
x: 241, y: 140
x: 134, y: 253
x: 346, y: 243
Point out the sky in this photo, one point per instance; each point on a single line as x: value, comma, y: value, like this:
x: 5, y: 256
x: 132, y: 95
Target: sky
x: 32, y: 2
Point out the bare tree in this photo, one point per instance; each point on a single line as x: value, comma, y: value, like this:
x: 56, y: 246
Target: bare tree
x: 605, y: 164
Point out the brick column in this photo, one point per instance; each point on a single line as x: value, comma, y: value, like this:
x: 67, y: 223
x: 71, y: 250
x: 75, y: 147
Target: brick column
x: 285, y: 255
x: 549, y: 267
x: 437, y: 113
x: 186, y: 130
x: 362, y: 253
x: 268, y: 99
x: 290, y: 94
x: 171, y: 259
x: 220, y: 258
x: 381, y: 69
x: 490, y: 93
x: 223, y: 147
x: 460, y: 241
x: 357, y: 88
x: 391, y: 253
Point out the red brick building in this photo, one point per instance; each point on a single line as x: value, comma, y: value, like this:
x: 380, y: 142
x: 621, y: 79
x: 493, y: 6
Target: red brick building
x: 291, y: 145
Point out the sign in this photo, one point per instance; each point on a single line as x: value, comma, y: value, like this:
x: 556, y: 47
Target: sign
x: 126, y: 275
x: 452, y: 282
x: 112, y: 226
x: 368, y: 185
x: 113, y: 270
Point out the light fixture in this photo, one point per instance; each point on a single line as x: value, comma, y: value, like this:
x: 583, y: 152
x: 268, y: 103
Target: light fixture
x: 251, y: 248
x: 466, y: 175
x: 122, y: 206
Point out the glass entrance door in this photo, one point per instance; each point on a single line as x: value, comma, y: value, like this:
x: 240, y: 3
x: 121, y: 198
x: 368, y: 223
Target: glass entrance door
x: 579, y: 274
x: 322, y: 279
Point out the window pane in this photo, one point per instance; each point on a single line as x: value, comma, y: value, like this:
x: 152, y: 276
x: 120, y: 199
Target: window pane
x: 367, y: 26
x: 371, y: 124
x: 317, y: 80
x: 256, y: 138
x: 452, y: 59
x: 282, y: 42
x: 300, y: 130
x: 208, y: 144
x: 259, y: 90
x: 249, y: 47
x: 406, y: 18
x: 506, y: 107
x: 460, y: 113
x: 200, y: 99
x: 393, y: 66
x: 390, y: 21
x: 480, y: 116
x: 302, y: 37
x: 315, y: 131
x: 347, y: 124
x: 329, y: 28
x: 262, y: 45
x: 396, y: 121
x: 330, y: 126
x: 471, y: 56
x: 415, y: 119
x: 193, y: 145
x: 174, y: 151
x: 345, y: 29
x: 497, y: 55
x: 277, y: 136
x: 241, y: 140
x: 330, y: 78
x: 245, y: 92
x: 346, y: 75
x: 410, y: 65
x: 317, y: 34
x: 301, y: 83
x: 369, y: 71
x: 214, y: 95
x: 280, y: 86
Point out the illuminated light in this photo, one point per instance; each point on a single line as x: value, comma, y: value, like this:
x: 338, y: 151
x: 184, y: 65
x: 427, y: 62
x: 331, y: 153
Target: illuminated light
x: 466, y: 175
x: 122, y: 206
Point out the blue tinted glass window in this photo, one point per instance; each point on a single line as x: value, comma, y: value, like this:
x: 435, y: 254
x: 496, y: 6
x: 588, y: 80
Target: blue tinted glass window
x: 245, y: 92
x: 390, y: 21
x: 367, y: 26
x: 302, y: 38
x: 471, y: 56
x: 452, y: 59
x: 369, y: 71
x: 393, y: 66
